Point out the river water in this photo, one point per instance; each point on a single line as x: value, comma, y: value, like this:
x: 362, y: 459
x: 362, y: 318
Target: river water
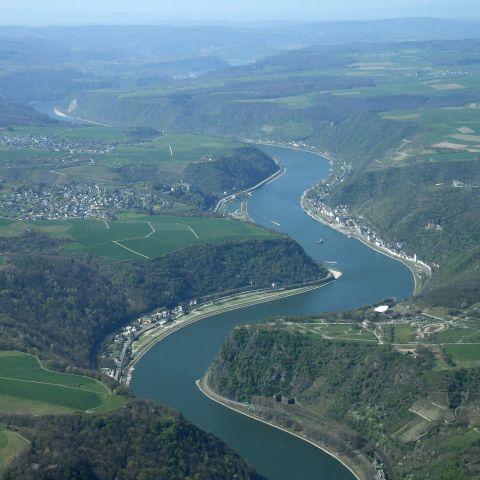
x: 167, y: 373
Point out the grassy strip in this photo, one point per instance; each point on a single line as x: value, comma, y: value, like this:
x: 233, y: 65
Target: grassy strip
x: 11, y: 445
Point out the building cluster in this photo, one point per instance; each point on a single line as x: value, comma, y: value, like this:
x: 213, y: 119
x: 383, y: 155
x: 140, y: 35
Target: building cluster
x: 292, y: 144
x: 52, y: 144
x: 379, y: 469
x: 341, y: 170
x: 384, y: 54
x: 117, y: 353
x: 343, y: 220
x: 74, y: 201
x: 439, y: 74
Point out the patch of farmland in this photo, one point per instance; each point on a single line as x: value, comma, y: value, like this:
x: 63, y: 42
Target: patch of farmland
x: 466, y: 138
x: 413, y: 430
x: 447, y: 86
x: 432, y: 411
x: 26, y: 386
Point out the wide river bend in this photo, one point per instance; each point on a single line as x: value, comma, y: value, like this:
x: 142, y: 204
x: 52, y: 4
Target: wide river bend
x: 167, y: 373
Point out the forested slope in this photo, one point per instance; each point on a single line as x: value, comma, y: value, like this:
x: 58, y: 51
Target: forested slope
x: 366, y: 387
x: 62, y: 306
x: 141, y: 441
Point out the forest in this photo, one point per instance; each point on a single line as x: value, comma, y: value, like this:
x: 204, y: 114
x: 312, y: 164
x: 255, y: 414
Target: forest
x: 61, y: 306
x: 141, y: 441
x: 369, y: 388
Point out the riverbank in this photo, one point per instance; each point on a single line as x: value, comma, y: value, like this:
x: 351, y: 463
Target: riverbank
x: 421, y: 274
x: 288, y: 146
x: 63, y: 115
x: 230, y: 198
x: 225, y: 304
x: 351, y: 460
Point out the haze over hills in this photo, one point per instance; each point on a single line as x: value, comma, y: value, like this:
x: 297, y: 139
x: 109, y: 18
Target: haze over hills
x: 234, y: 44
x: 129, y: 156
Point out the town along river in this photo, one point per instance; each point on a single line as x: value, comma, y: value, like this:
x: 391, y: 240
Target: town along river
x: 167, y: 373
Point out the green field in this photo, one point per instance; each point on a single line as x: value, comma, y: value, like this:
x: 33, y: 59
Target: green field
x: 338, y: 331
x: 402, y: 333
x: 22, y: 154
x: 464, y: 354
x: 166, y: 154
x: 11, y: 444
x: 77, y: 132
x: 454, y: 335
x: 152, y: 236
x: 27, y: 387
x: 186, y: 148
x: 138, y: 236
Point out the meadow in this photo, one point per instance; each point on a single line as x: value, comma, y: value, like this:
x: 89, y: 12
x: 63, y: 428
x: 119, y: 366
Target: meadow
x: 464, y: 354
x: 337, y: 331
x: 11, y: 444
x: 167, y: 154
x: 136, y: 237
x: 27, y: 387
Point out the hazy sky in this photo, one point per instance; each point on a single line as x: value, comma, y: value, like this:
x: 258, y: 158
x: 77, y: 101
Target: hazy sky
x: 47, y: 12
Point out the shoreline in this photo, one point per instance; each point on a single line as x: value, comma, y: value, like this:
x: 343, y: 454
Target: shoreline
x: 418, y: 284
x: 264, y: 297
x: 202, y: 385
x: 61, y: 114
x: 233, y: 196
x: 328, y: 157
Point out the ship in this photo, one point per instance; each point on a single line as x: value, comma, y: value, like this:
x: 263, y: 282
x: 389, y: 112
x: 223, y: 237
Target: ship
x: 320, y: 241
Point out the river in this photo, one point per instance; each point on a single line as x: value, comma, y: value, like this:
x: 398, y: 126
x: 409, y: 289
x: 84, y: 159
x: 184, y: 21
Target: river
x: 167, y: 373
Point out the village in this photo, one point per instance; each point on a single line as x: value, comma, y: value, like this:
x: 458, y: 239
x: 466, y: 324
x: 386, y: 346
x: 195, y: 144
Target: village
x: 10, y: 138
x: 53, y: 202
x: 340, y: 218
x: 118, y: 348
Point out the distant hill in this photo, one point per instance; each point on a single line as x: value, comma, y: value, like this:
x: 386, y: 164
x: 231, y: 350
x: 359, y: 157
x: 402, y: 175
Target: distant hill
x: 18, y: 114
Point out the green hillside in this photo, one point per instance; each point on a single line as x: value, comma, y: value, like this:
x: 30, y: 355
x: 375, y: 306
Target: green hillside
x: 139, y: 441
x: 11, y: 445
x: 356, y: 397
x: 27, y: 387
x: 138, y: 237
x: 62, y: 306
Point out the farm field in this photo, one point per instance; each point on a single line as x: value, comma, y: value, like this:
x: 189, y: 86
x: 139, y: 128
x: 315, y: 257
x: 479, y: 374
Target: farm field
x: 402, y: 333
x: 11, y: 444
x: 337, y: 331
x: 65, y: 131
x: 107, y: 155
x: 27, y: 387
x: 454, y: 335
x: 185, y: 148
x: 137, y: 236
x: 464, y: 354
